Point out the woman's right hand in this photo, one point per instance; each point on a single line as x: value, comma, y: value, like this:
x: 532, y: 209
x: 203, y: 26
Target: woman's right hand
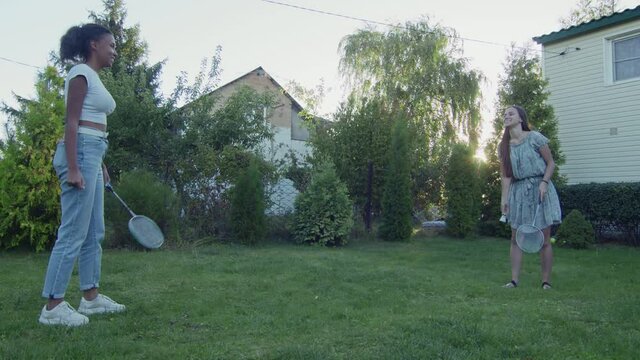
x: 505, y: 208
x: 75, y: 179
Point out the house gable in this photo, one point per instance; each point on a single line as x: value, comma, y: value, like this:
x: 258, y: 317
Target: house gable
x: 284, y: 112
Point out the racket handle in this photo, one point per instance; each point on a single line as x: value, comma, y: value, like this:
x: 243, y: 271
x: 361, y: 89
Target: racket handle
x: 109, y: 188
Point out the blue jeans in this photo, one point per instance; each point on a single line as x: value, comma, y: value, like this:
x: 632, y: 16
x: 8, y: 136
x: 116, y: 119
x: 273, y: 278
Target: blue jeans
x: 82, y: 225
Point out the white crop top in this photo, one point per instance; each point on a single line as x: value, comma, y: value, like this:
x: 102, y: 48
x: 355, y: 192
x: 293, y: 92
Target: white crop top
x: 98, y: 103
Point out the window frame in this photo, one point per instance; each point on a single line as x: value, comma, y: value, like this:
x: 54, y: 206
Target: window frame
x: 609, y: 59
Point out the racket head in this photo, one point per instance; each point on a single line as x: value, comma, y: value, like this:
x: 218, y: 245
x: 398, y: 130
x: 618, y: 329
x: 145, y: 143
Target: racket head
x: 529, y: 238
x: 146, y: 232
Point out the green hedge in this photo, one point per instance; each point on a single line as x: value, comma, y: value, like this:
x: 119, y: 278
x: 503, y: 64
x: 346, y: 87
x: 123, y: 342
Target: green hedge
x: 608, y: 207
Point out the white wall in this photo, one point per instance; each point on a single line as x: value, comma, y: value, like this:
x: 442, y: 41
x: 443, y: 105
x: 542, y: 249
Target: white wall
x: 283, y: 193
x: 598, y: 121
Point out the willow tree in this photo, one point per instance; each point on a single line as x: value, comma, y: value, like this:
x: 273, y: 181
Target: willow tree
x: 417, y: 72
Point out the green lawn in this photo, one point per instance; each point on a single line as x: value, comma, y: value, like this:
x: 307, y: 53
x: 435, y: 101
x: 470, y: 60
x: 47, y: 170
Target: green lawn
x: 432, y: 298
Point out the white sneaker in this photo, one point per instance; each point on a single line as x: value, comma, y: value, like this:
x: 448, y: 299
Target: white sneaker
x: 62, y: 314
x: 100, y: 305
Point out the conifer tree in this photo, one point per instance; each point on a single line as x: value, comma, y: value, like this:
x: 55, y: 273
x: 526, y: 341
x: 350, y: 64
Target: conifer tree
x: 248, y: 220
x: 462, y: 192
x: 396, y: 199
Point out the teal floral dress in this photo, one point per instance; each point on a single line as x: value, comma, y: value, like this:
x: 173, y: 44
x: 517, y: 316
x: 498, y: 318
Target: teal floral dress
x: 524, y: 194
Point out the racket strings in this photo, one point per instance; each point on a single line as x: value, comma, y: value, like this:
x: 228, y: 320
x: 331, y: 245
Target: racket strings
x: 146, y: 231
x: 529, y: 238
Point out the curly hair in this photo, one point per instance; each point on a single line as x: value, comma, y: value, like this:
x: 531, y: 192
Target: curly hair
x: 75, y: 43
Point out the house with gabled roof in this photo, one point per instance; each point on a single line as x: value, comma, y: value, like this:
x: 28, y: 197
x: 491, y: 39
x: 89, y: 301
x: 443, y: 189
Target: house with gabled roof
x: 593, y: 70
x: 284, y: 116
x: 287, y: 124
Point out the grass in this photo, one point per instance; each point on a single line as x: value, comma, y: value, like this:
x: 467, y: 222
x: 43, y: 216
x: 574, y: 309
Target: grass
x: 432, y: 298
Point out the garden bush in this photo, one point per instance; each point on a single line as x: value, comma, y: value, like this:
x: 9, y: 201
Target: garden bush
x: 145, y: 195
x: 575, y: 231
x: 611, y: 208
x: 323, y: 212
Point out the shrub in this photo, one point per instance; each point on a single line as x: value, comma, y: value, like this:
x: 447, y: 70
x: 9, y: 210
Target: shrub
x: 575, y: 231
x: 323, y: 212
x: 29, y: 188
x: 462, y: 191
x: 607, y: 206
x: 147, y: 196
x: 248, y: 220
x: 396, y: 197
x: 279, y: 227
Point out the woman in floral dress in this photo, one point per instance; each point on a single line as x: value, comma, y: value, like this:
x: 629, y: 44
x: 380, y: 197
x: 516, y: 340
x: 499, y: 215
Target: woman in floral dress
x: 526, y: 167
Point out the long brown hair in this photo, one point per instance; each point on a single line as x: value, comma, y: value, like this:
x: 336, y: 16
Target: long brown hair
x: 503, y: 149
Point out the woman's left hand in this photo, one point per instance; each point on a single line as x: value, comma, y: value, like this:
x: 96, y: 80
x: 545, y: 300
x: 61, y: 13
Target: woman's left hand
x: 543, y: 190
x: 105, y: 174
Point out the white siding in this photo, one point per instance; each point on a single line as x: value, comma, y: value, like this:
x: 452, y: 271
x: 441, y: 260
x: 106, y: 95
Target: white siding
x: 598, y: 122
x: 283, y: 193
x: 282, y: 143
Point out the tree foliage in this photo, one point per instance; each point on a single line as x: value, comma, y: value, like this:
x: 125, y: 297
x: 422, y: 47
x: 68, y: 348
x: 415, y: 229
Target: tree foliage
x: 29, y: 189
x: 396, y: 199
x: 248, y: 220
x: 323, y: 212
x: 462, y: 192
x: 359, y: 136
x: 311, y: 98
x: 196, y: 149
x: 416, y: 72
x: 139, y: 128
x: 215, y: 146
x: 587, y: 10
x: 191, y: 140
x: 522, y: 83
x: 132, y: 50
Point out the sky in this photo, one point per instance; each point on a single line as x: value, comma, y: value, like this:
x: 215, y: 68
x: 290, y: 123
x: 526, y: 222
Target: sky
x: 289, y: 43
